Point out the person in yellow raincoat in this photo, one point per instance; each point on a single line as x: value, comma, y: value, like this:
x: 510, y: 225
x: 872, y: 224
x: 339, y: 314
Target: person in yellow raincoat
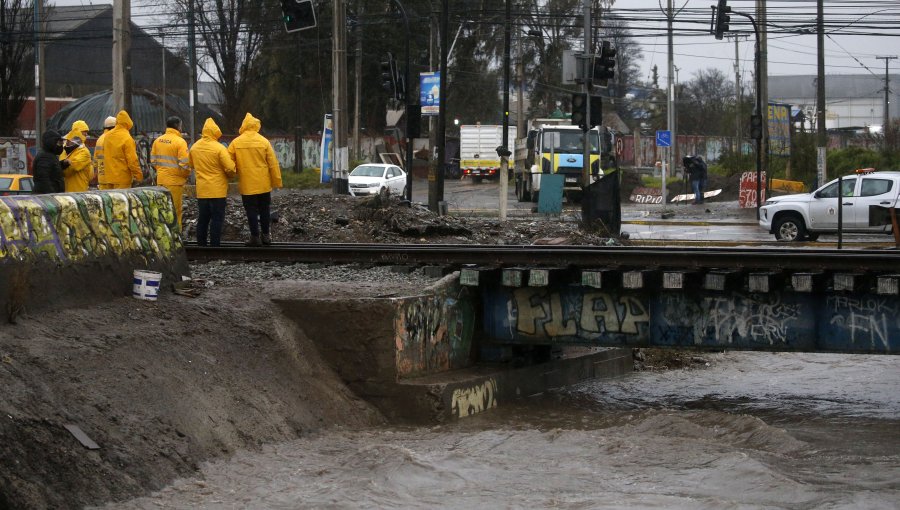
x: 120, y: 162
x: 169, y: 156
x: 80, y: 169
x: 108, y: 124
x: 258, y: 172
x: 213, y: 167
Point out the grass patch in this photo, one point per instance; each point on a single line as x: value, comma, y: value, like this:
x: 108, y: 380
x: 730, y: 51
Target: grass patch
x: 307, y: 179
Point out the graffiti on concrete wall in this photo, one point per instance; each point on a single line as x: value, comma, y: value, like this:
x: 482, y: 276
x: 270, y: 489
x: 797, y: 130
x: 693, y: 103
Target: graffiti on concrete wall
x: 77, y: 226
x: 284, y: 151
x: 574, y: 314
x: 866, y: 323
x: 474, y: 399
x: 433, y: 333
x: 782, y: 321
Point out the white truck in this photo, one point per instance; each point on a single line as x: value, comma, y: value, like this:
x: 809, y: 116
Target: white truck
x: 806, y: 215
x: 554, y: 146
x: 478, y: 158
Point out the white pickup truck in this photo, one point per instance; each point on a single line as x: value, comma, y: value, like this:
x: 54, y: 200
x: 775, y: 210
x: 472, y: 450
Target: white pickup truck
x: 804, y: 216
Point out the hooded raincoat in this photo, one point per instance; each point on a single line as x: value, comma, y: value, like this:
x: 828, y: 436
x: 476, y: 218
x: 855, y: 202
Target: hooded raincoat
x: 80, y: 171
x: 211, y: 163
x: 120, y: 162
x: 169, y: 156
x: 257, y: 167
x: 45, y: 168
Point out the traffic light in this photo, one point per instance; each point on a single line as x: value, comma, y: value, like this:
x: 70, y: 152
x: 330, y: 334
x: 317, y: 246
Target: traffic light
x: 413, y: 121
x: 579, y: 111
x: 756, y: 126
x: 389, y: 75
x: 298, y: 15
x: 721, y: 19
x: 605, y: 64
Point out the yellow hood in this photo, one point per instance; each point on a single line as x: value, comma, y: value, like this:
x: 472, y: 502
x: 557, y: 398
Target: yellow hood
x: 250, y: 123
x: 77, y: 127
x: 124, y: 120
x: 211, y: 130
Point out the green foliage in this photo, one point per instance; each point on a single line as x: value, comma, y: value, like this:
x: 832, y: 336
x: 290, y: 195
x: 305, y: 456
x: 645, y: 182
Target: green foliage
x: 732, y: 163
x: 656, y: 182
x: 307, y: 179
x: 845, y: 161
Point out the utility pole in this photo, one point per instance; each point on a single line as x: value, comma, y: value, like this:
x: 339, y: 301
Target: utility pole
x: 162, y: 35
x: 886, y: 127
x: 670, y: 101
x: 505, y: 152
x: 821, y: 139
x: 738, y: 99
x: 520, y: 81
x: 192, y: 70
x: 357, y: 71
x: 763, y: 92
x: 339, y: 184
x: 121, y: 45
x: 442, y: 101
x: 38, y: 75
x: 586, y: 88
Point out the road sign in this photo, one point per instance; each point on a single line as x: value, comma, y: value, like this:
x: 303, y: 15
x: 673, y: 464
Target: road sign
x: 663, y: 138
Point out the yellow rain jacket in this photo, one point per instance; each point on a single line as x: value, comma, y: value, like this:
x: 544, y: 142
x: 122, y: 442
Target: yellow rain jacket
x: 169, y: 156
x: 120, y: 162
x: 80, y: 171
x: 257, y: 167
x: 98, y: 157
x: 211, y: 162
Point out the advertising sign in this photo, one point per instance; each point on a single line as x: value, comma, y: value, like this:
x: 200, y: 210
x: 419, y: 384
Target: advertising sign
x: 779, y: 123
x: 430, y: 92
x: 747, y: 197
x: 325, y: 151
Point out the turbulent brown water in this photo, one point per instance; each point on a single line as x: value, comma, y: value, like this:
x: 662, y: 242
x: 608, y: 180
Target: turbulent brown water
x: 754, y: 430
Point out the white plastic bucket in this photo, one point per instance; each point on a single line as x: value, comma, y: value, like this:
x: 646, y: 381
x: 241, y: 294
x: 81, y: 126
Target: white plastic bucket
x: 146, y: 284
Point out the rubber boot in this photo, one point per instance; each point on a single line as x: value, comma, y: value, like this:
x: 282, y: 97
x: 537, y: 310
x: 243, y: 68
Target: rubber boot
x: 266, y: 239
x: 254, y: 241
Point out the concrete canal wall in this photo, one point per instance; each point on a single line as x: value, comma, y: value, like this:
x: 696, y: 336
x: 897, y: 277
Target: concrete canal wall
x: 81, y: 247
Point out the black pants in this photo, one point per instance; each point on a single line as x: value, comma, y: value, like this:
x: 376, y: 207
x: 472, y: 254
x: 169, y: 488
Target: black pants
x: 210, y: 218
x: 257, y: 207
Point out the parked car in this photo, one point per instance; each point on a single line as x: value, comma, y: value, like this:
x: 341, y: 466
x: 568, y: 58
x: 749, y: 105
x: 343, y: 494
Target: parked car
x: 16, y: 184
x: 375, y: 178
x: 804, y: 216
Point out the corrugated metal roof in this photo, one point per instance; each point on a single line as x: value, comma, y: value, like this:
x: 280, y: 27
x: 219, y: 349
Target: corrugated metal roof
x: 63, y: 19
x: 146, y: 112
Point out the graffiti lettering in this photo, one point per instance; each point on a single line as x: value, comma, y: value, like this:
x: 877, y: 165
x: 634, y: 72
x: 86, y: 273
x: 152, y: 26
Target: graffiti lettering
x: 555, y: 314
x: 473, y: 400
x: 746, y: 318
x: 866, y: 320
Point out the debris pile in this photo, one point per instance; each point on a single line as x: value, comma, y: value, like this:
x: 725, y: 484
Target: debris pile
x: 303, y: 217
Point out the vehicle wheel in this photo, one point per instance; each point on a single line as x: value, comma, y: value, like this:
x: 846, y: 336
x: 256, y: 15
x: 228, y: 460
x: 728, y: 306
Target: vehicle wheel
x: 789, y: 228
x: 384, y: 192
x: 522, y: 192
x: 812, y: 236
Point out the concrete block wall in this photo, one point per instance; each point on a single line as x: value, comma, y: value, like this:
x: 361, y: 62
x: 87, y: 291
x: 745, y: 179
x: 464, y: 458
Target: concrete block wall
x: 78, y: 246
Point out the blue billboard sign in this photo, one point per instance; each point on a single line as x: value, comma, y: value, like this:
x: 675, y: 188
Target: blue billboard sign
x: 429, y: 92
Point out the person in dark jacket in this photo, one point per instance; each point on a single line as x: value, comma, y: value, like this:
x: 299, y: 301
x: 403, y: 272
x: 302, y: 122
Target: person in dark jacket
x: 47, y: 169
x: 696, y: 169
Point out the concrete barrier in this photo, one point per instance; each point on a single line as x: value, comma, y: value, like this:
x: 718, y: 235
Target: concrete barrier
x: 82, y: 247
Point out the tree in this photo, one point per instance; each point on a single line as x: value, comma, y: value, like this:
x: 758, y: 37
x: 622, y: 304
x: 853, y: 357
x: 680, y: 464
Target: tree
x: 16, y: 49
x: 628, y: 54
x: 705, y: 105
x: 230, y: 34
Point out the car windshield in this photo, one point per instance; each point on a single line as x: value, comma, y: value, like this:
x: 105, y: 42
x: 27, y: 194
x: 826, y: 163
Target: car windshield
x: 569, y: 142
x: 367, y: 171
x: 5, y: 182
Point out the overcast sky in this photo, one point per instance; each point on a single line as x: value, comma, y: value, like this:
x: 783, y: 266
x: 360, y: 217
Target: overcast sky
x: 850, y: 46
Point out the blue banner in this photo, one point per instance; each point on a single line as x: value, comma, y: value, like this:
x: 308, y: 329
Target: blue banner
x: 430, y: 92
x: 325, y: 154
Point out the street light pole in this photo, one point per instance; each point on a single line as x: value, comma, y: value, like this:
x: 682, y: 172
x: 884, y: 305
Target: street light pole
x: 162, y: 35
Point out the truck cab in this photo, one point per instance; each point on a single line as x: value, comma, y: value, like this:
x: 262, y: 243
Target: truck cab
x: 557, y: 149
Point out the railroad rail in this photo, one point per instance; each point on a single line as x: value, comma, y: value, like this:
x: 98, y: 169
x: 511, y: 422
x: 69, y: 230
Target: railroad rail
x: 745, y: 258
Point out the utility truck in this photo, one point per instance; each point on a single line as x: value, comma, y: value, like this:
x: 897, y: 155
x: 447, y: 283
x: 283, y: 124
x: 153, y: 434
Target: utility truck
x: 553, y: 146
x: 478, y: 158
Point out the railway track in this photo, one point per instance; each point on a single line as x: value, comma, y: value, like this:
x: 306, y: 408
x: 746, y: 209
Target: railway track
x: 642, y: 257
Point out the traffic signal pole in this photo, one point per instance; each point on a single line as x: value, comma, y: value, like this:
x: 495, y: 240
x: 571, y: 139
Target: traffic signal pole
x: 586, y: 87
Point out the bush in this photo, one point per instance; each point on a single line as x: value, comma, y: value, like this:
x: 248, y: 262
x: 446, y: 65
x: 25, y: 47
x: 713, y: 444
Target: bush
x: 307, y: 179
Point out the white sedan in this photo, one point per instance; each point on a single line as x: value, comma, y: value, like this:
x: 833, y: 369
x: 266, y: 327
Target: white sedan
x: 375, y: 178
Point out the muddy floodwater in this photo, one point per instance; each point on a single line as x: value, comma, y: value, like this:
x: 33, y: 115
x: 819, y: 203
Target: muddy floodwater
x: 753, y: 430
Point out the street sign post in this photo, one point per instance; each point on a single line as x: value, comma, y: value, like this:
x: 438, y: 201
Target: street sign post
x: 663, y: 138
